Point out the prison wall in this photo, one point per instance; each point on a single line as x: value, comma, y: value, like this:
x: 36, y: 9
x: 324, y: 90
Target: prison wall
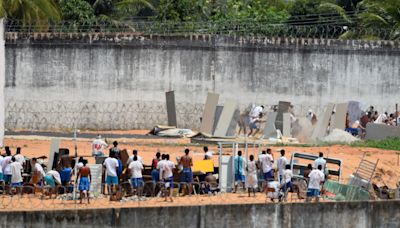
x: 103, y: 81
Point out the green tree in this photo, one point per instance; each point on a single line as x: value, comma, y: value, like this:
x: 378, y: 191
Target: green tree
x: 381, y: 14
x: 29, y: 11
x: 77, y: 12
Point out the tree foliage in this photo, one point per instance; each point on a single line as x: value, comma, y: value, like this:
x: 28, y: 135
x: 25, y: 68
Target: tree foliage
x: 30, y: 10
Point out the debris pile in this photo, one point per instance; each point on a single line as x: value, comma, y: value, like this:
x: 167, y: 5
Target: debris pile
x: 338, y: 135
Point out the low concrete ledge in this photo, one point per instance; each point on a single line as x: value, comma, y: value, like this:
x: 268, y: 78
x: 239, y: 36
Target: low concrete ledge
x: 332, y: 214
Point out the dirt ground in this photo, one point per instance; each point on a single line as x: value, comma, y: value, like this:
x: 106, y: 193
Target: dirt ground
x: 387, y: 172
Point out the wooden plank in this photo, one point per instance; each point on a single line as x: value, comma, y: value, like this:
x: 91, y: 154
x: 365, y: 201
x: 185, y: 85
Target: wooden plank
x: 95, y: 186
x: 270, y: 130
x: 209, y: 113
x: 322, y: 124
x: 339, y: 120
x: 171, y: 110
x: 287, y: 128
x: 54, y: 147
x: 225, y: 119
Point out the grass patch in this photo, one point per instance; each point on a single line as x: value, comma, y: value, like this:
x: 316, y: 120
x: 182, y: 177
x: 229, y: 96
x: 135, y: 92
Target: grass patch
x: 386, y: 144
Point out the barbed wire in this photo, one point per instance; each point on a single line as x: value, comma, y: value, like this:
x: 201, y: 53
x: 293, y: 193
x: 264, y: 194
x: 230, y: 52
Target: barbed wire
x: 331, y: 27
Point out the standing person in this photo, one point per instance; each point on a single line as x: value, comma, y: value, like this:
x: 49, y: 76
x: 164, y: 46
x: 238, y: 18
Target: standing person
x: 307, y: 171
x: 98, y: 146
x: 251, y: 180
x: 187, y: 175
x: 85, y: 177
x: 243, y: 122
x: 320, y: 161
x: 207, y: 154
x: 6, y: 166
x: 115, y: 148
x: 155, y: 174
x: 16, y: 173
x: 136, y: 168
x: 287, y: 178
x: 281, y: 164
x: 314, y: 184
x: 134, y: 153
x: 111, y: 164
x: 166, y: 172
x: 19, y: 157
x: 266, y: 163
x: 239, y: 170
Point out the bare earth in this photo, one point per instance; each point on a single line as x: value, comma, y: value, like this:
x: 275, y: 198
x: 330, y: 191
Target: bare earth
x: 32, y: 146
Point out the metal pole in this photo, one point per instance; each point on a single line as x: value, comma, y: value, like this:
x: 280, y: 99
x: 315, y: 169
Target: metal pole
x: 397, y: 115
x: 219, y: 164
x: 76, y: 167
x: 2, y: 81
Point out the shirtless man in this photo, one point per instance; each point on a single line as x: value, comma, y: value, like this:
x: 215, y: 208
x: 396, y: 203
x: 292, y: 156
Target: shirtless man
x: 85, y: 177
x: 187, y: 175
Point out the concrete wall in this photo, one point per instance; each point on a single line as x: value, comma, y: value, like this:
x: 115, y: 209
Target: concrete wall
x: 297, y: 215
x: 118, y: 82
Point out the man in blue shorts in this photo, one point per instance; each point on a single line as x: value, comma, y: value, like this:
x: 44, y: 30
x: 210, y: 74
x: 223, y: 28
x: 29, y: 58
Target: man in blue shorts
x: 136, y: 167
x: 85, y: 177
x: 317, y: 177
x: 187, y: 175
x: 239, y: 170
x: 111, y: 165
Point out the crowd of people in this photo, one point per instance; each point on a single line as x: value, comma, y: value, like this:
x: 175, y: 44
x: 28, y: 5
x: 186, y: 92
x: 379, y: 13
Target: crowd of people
x: 248, y: 173
x: 358, y: 127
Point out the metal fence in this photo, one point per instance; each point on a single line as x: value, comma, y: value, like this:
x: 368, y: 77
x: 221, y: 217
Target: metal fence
x: 62, y: 197
x: 328, y: 31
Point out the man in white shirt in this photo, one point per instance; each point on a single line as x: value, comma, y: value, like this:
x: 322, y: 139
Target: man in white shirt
x: 111, y: 164
x: 317, y: 177
x: 266, y: 165
x: 6, y: 167
x: 98, y: 146
x: 207, y: 154
x: 320, y: 161
x: 136, y: 168
x: 19, y: 157
x: 281, y: 164
x: 130, y: 159
x: 166, y: 173
x: 16, y: 173
x: 287, y: 178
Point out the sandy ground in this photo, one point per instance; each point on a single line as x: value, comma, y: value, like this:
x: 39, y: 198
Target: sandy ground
x: 32, y: 146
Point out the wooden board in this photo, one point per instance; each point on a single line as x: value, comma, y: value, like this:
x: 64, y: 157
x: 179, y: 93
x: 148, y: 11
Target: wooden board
x: 339, y: 120
x: 171, y: 110
x: 209, y: 113
x: 270, y: 130
x: 225, y: 120
x: 287, y: 125
x: 54, y: 147
x: 205, y: 166
x: 96, y: 185
x: 322, y: 124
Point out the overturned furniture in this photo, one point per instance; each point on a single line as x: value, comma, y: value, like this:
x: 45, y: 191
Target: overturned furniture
x: 299, y: 161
